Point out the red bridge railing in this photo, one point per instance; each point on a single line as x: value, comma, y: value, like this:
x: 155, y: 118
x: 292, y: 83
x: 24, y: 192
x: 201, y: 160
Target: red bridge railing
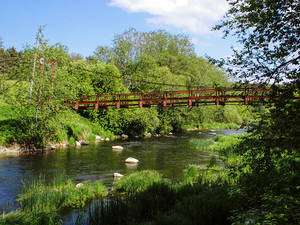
x: 249, y: 96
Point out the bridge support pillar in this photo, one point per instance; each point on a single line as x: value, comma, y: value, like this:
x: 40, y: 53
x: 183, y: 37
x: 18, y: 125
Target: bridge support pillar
x: 246, y: 100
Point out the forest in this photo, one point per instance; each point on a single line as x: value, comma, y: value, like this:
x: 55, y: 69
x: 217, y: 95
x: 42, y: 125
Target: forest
x: 145, y: 61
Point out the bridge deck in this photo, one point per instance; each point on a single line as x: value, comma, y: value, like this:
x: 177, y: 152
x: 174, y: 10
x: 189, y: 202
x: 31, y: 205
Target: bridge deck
x: 176, y: 98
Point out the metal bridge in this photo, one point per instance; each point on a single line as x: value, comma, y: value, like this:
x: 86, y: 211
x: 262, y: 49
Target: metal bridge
x: 224, y: 96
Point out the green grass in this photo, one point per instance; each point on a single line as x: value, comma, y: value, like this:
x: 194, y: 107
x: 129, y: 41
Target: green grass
x: 162, y: 202
x: 38, y: 196
x: 219, y: 126
x: 220, y: 143
x: 34, y: 218
x: 201, y: 144
x: 191, y: 174
x: 137, y: 182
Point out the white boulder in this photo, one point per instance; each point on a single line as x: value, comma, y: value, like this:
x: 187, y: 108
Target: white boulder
x: 98, y: 138
x: 117, y: 147
x: 118, y: 175
x: 131, y: 160
x: 77, y: 143
x: 79, y: 185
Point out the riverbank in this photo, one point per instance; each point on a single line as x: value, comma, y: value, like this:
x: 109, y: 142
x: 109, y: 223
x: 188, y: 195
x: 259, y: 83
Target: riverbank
x: 16, y: 150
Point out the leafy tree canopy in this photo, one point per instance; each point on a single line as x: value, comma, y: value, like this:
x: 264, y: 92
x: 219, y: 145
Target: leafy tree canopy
x: 268, y: 32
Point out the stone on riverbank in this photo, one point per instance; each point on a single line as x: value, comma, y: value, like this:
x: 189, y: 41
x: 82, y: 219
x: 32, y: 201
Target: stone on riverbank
x: 84, y: 143
x: 118, y: 175
x: 148, y: 135
x: 124, y: 136
x: 131, y: 160
x: 77, y: 143
x: 98, y: 138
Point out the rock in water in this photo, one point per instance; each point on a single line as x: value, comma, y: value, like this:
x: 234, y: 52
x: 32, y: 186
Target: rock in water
x: 79, y: 185
x: 117, y: 147
x: 131, y: 160
x: 118, y: 175
x: 98, y: 138
x: 124, y: 136
x: 84, y: 143
x: 77, y: 143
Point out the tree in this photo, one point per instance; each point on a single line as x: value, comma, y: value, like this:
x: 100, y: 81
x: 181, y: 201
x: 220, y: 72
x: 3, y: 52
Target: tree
x: 268, y: 33
x: 158, y: 57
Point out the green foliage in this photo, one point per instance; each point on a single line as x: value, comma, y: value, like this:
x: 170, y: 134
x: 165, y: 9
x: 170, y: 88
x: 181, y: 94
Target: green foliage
x: 137, y: 182
x: 131, y: 122
x: 267, y: 31
x: 38, y: 196
x: 34, y: 218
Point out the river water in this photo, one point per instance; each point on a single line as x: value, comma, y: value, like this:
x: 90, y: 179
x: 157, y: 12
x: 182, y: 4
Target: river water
x: 169, y: 155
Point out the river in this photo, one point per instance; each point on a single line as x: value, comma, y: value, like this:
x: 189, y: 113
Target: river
x: 169, y: 155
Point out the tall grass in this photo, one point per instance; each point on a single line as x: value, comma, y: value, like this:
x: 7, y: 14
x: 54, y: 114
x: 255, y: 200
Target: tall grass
x: 218, y: 126
x: 38, y: 196
x: 137, y: 182
x: 191, y: 174
x: 34, y: 218
x: 165, y: 203
x: 201, y: 144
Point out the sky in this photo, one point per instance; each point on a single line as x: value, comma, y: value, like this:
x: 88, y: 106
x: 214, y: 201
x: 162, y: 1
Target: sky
x: 82, y: 25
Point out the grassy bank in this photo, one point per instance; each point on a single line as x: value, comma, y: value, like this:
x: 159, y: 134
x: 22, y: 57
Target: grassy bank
x: 192, y: 201
x: 40, y: 201
x: 64, y: 127
x: 60, y: 193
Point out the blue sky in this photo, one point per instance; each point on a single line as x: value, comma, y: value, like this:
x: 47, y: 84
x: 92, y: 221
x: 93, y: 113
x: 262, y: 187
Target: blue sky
x: 82, y: 25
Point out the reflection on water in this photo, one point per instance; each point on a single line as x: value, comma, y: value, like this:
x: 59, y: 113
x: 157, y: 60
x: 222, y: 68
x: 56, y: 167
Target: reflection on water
x: 168, y: 155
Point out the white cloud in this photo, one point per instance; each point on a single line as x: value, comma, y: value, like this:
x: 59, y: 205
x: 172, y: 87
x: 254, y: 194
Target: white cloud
x: 195, y: 16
